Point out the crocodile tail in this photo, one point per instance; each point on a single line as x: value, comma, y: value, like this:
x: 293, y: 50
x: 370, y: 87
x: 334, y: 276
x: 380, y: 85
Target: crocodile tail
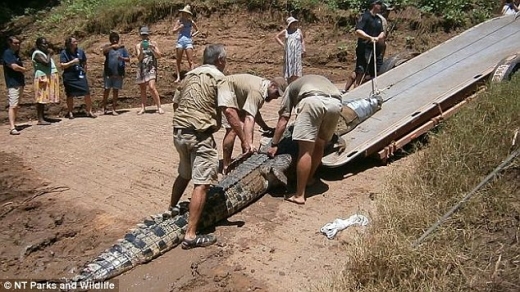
x: 152, y: 238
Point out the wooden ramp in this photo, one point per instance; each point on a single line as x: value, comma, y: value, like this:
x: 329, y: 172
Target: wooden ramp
x: 428, y: 86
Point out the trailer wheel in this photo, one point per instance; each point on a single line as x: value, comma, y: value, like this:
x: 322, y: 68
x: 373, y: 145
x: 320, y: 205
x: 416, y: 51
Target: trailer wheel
x: 396, y: 60
x: 506, y: 68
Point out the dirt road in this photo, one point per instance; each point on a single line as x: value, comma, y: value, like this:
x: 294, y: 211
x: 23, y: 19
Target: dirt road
x: 70, y: 190
x: 117, y: 170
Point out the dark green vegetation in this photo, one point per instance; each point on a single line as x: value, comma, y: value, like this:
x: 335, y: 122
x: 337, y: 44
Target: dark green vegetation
x: 100, y: 16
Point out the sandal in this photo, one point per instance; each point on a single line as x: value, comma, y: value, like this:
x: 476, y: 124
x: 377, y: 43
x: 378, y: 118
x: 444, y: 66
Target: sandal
x: 14, y: 132
x: 70, y: 115
x: 199, y: 241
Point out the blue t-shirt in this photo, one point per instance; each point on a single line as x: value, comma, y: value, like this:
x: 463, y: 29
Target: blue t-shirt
x: 114, y: 66
x: 12, y: 78
x: 72, y: 72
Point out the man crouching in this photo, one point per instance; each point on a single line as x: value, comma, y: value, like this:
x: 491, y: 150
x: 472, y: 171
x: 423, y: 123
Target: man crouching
x: 318, y: 105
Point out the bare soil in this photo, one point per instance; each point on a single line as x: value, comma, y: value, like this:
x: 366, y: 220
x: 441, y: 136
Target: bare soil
x: 71, y: 189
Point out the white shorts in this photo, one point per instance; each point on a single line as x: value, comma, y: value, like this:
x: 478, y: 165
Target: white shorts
x: 13, y: 95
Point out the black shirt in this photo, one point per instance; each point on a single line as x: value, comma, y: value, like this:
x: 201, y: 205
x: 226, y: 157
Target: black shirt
x: 12, y: 78
x: 370, y: 24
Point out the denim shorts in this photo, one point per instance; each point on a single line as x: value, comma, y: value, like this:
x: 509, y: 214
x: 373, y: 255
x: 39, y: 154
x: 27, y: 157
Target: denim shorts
x: 184, y: 43
x: 115, y: 82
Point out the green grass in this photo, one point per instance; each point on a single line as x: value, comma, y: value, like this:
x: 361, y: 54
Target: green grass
x: 478, y: 248
x: 101, y: 16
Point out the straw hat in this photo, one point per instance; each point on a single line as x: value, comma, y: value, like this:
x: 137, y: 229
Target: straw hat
x: 291, y: 20
x: 186, y: 9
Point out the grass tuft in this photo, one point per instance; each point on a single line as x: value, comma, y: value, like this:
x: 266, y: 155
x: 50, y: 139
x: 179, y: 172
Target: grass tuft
x: 477, y: 248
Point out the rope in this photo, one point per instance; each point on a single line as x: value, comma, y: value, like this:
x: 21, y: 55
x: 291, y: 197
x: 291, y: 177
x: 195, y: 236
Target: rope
x: 490, y: 176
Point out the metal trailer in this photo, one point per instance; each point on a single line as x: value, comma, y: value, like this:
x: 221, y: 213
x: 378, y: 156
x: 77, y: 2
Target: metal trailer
x: 429, y: 88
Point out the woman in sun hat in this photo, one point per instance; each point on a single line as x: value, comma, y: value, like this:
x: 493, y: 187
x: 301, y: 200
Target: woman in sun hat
x: 294, y: 49
x: 187, y: 29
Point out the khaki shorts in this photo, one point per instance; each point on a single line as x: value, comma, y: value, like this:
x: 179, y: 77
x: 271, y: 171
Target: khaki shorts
x: 13, y: 95
x: 198, y: 157
x: 316, y: 117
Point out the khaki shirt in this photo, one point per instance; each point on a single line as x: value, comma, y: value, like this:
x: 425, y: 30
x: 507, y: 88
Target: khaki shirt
x: 197, y: 100
x: 304, y: 87
x: 244, y: 92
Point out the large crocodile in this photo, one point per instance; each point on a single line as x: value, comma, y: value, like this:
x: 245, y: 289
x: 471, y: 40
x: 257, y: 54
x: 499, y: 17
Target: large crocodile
x: 247, y: 182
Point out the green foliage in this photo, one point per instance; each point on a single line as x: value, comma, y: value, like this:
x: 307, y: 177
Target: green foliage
x: 101, y: 16
x: 458, y: 12
x: 354, y: 5
x: 454, y: 12
x: 303, y: 4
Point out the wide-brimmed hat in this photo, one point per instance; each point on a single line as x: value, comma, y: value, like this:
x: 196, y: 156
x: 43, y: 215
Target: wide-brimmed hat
x: 144, y: 30
x: 186, y: 9
x: 281, y: 83
x: 291, y: 20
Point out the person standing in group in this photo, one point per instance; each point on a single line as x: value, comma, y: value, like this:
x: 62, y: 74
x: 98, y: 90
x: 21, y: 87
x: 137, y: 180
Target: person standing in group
x: 318, y: 105
x: 294, y: 47
x: 187, y: 29
x: 147, y: 53
x: 114, y: 70
x: 369, y: 29
x: 73, y: 61
x: 240, y: 97
x: 14, y: 79
x: 46, y: 79
x: 196, y: 118
x: 510, y: 8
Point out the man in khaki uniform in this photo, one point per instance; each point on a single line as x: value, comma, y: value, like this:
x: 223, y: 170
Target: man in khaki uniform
x: 318, y: 105
x: 240, y: 97
x: 195, y: 120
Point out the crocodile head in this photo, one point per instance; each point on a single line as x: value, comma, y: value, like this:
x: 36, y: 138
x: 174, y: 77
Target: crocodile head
x: 274, y: 169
